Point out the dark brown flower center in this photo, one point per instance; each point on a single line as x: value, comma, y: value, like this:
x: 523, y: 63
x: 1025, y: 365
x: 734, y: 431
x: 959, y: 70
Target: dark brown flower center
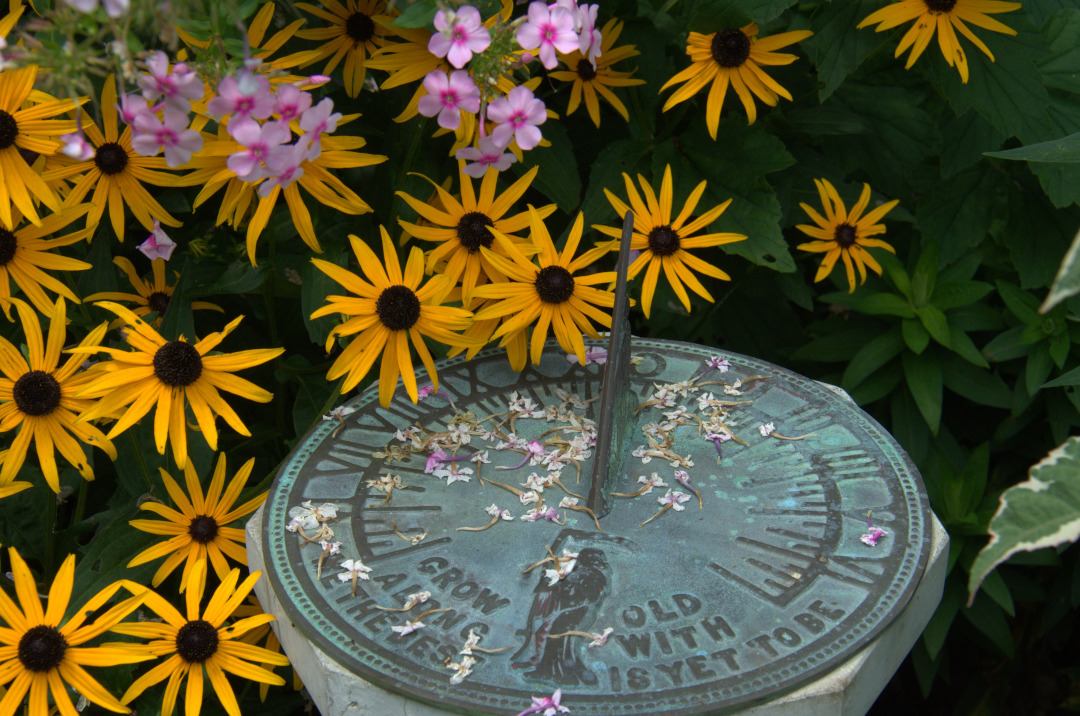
x: 663, y: 241
x: 158, y: 301
x: 554, y: 284
x: 36, y: 393
x: 42, y: 648
x: 111, y: 158
x: 844, y: 235
x: 8, y: 129
x: 730, y: 48
x: 940, y: 5
x: 472, y: 231
x: 359, y: 27
x: 203, y: 529
x: 177, y: 364
x: 196, y: 641
x: 585, y: 70
x: 398, y: 308
x: 8, y: 245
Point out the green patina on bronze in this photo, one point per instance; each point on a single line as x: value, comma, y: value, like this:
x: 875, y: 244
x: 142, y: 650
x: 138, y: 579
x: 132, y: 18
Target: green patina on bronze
x: 766, y: 587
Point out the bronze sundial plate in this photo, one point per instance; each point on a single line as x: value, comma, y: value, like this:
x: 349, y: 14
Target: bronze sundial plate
x: 763, y: 587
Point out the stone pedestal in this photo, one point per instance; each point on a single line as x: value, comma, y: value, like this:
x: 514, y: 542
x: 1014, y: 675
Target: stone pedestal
x: 848, y: 690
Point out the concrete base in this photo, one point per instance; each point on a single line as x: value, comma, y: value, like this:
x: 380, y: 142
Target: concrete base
x: 849, y: 690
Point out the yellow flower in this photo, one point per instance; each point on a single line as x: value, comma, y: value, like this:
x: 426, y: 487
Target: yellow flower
x: 357, y: 30
x: 591, y: 81
x: 547, y: 292
x: 151, y: 297
x: 663, y: 243
x: 199, y: 529
x: 8, y: 488
x: 201, y: 642
x: 116, y: 173
x: 735, y: 57
x: 462, y: 227
x: 249, y: 608
x: 387, y: 313
x: 407, y: 62
x: 845, y: 234
x: 168, y: 375
x: 24, y: 254
x: 39, y: 656
x: 940, y: 17
x: 41, y: 397
x: 27, y: 128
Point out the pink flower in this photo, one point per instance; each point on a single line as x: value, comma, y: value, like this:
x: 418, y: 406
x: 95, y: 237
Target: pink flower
x: 550, y: 30
x: 158, y: 245
x: 76, y: 146
x: 489, y: 154
x: 245, y: 97
x: 260, y: 143
x: 517, y: 116
x: 170, y: 133
x: 870, y: 539
x: 589, y: 38
x: 675, y: 499
x: 592, y: 355
x: 291, y: 103
x: 317, y: 121
x: 459, y: 34
x: 448, y: 96
x: 284, y: 167
x: 546, y: 705
x: 719, y: 363
x: 434, y: 461
x: 177, y: 88
x: 131, y: 106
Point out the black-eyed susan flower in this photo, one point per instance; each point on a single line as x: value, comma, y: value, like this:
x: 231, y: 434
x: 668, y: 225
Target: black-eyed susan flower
x: 462, y: 227
x: 663, y: 243
x: 39, y: 398
x: 201, y: 642
x: 28, y: 128
x: 387, y: 313
x: 590, y: 81
x: 844, y: 234
x: 266, y: 635
x: 150, y: 296
x: 547, y: 292
x: 25, y: 256
x: 940, y: 17
x: 733, y: 57
x: 165, y: 376
x: 115, y: 174
x: 8, y: 488
x: 357, y: 29
x: 41, y: 654
x: 200, y: 528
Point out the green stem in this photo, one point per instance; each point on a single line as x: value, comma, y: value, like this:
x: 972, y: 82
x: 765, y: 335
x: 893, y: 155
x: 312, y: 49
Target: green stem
x: 142, y: 463
x: 50, y: 533
x: 80, y: 503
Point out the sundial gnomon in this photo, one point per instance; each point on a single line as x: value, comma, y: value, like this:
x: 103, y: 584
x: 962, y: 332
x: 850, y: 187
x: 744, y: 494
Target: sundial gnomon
x: 764, y: 586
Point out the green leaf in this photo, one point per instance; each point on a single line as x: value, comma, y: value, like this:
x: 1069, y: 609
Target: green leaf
x: 960, y: 293
x: 883, y: 304
x: 990, y: 621
x: 1039, y: 365
x: 104, y: 560
x: 419, y: 14
x: 979, y: 386
x: 1060, y: 181
x: 1060, y: 345
x: 240, y: 277
x: 878, y: 385
x: 973, y: 478
x: 1061, y: 68
x: 1031, y: 215
x: 738, y: 173
x: 1043, y: 511
x: 624, y: 155
x: 897, y: 274
x: 925, y: 275
x: 1067, y: 282
x: 872, y: 356
x: 100, y: 278
x: 1066, y: 149
x: 558, y: 175
x: 956, y: 213
x: 961, y: 344
x: 1009, y: 93
x: 994, y: 586
x: 1022, y: 304
x: 915, y: 335
x: 935, y: 322
x: 178, y: 320
x: 835, y: 49
x: 315, y: 286
x: 964, y: 139
x: 840, y: 346
x: 717, y: 15
x: 924, y: 380
x: 938, y: 626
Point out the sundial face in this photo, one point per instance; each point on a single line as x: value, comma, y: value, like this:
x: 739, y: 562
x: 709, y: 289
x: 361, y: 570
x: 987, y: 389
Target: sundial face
x: 763, y: 586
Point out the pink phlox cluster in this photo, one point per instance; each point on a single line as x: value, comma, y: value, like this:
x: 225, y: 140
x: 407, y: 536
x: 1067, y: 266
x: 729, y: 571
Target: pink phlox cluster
x: 447, y: 96
x: 317, y: 121
x: 158, y: 245
x: 291, y: 102
x: 547, y: 30
x: 546, y: 705
x: 261, y: 144
x: 177, y: 85
x: 242, y: 97
x: 284, y: 167
x: 76, y: 146
x: 170, y: 134
x: 589, y: 37
x: 486, y: 154
x: 459, y: 34
x: 517, y: 117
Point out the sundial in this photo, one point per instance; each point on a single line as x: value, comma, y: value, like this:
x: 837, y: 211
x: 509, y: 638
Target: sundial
x: 766, y: 557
